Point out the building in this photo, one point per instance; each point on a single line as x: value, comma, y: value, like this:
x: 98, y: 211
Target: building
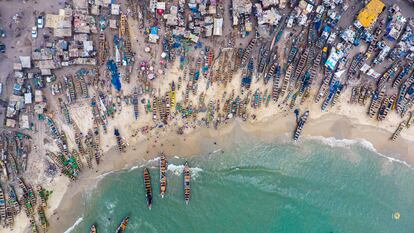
x: 367, y: 17
x: 241, y: 7
x: 28, y: 98
x: 396, y: 25
x: 24, y: 121
x: 218, y: 27
x: 10, y: 123
x: 333, y: 59
x: 25, y: 61
x: 268, y: 17
x: 115, y: 9
x: 38, y: 96
x: 269, y: 3
x: 60, y: 23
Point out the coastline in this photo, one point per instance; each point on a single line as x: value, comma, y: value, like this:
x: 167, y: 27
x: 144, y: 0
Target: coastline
x: 325, y: 126
x: 343, y: 125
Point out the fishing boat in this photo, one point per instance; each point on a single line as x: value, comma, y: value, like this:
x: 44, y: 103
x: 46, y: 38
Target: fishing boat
x: 42, y: 217
x: 119, y: 141
x: 93, y: 229
x: 135, y: 102
x: 123, y: 225
x: 13, y: 201
x: 33, y: 225
x: 2, y: 205
x: 148, y: 188
x: 397, y: 132
x: 300, y: 125
x: 186, y: 173
x: 163, y: 175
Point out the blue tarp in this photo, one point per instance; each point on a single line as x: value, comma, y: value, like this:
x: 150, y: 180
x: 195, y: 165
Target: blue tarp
x: 154, y: 30
x: 82, y: 72
x: 410, y: 90
x: 198, y: 45
x: 317, y: 25
x: 196, y: 75
x: 116, y: 40
x: 116, y: 132
x: 115, y: 75
x: 246, y: 81
x: 204, y: 69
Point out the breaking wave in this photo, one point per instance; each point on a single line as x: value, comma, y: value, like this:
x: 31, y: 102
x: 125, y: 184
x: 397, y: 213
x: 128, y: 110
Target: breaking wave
x: 346, y: 143
x: 78, y: 221
x: 134, y: 168
x: 178, y: 170
x: 104, y: 174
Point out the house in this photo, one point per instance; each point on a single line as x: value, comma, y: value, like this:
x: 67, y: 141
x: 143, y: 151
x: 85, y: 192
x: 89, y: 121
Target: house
x: 218, y: 27
x: 28, y: 98
x: 115, y: 9
x: 25, y: 61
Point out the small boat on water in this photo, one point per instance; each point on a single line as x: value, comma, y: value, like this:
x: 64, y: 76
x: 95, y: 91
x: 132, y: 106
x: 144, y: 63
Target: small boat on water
x: 148, y: 188
x: 186, y: 172
x: 163, y: 175
x: 93, y: 229
x: 123, y: 225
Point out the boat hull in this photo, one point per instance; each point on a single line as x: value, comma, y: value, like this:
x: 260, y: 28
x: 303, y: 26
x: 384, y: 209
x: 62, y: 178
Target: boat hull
x: 148, y: 188
x: 163, y: 176
x: 187, y: 178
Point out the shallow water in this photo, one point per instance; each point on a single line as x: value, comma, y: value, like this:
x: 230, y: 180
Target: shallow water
x: 314, y: 186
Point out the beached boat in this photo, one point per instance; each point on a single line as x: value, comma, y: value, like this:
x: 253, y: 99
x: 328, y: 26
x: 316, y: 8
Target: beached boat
x: 120, y: 143
x: 93, y: 229
x: 187, y: 177
x: 42, y: 217
x: 33, y: 225
x: 300, y: 125
x: 397, y: 132
x: 148, y: 188
x: 2, y: 205
x: 163, y: 175
x: 122, y: 226
x: 135, y: 102
x: 13, y: 201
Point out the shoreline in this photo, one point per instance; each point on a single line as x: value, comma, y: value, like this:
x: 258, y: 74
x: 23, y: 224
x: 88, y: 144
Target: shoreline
x: 185, y: 88
x: 202, y: 141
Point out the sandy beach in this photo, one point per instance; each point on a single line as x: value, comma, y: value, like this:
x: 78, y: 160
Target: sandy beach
x: 330, y: 127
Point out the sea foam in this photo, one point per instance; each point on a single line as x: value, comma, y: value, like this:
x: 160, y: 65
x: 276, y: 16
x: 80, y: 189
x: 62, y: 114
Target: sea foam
x: 134, y: 168
x: 78, y: 221
x: 178, y: 169
x: 346, y: 143
x: 104, y: 174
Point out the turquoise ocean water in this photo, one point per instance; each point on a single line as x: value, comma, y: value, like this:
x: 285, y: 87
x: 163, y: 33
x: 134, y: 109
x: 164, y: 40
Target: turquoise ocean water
x: 318, y: 186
